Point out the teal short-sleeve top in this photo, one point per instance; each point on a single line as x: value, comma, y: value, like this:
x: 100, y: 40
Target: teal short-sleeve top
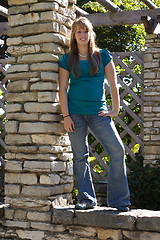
x: 86, y: 95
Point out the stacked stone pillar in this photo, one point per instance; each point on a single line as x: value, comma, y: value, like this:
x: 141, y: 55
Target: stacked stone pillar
x: 152, y: 100
x: 38, y: 167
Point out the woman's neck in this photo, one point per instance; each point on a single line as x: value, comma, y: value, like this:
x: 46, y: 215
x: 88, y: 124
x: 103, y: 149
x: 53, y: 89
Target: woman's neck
x: 83, y: 52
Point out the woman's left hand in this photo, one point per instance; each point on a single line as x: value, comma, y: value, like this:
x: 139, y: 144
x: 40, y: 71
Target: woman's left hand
x: 108, y: 113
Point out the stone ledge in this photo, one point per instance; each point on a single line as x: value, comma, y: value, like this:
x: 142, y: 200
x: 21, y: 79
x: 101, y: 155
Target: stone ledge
x: 141, y: 220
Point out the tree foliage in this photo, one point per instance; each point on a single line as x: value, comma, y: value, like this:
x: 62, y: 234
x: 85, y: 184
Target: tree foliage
x: 118, y: 38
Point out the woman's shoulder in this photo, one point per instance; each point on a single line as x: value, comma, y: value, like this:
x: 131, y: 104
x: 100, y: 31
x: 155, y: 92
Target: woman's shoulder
x: 63, y: 61
x: 104, y: 51
x: 64, y: 57
x: 105, y: 56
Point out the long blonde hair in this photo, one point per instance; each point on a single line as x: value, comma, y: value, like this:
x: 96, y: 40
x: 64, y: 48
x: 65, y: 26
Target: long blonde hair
x: 94, y: 57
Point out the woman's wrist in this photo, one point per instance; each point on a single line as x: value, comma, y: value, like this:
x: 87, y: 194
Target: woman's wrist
x: 66, y: 116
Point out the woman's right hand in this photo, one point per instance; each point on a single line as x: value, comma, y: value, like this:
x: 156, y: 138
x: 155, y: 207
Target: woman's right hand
x: 69, y: 124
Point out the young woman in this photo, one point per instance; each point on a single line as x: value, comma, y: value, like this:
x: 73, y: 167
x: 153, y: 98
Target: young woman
x: 83, y: 105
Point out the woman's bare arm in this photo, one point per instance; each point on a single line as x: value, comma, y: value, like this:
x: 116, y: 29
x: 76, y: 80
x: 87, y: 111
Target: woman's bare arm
x: 63, y: 99
x: 110, y: 73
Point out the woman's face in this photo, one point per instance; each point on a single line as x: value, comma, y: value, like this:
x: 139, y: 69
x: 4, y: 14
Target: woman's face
x: 82, y: 36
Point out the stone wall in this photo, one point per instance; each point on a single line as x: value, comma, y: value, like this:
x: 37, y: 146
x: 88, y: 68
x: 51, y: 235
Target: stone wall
x: 96, y: 224
x: 152, y: 100
x: 38, y: 167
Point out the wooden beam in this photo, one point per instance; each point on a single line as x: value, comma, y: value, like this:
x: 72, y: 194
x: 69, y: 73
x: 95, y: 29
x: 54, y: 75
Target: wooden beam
x: 4, y: 28
x: 109, y: 5
x: 4, y: 11
x: 81, y: 12
x: 121, y: 18
x: 149, y: 3
x: 151, y: 25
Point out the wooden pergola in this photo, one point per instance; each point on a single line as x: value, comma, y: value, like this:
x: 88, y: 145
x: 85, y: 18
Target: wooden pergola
x: 149, y: 17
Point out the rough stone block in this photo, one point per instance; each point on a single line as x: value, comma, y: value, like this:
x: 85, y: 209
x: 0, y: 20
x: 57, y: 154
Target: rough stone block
x: 54, y: 16
x: 148, y: 109
x: 153, y: 64
x: 63, y: 3
x: 62, y: 200
x: 47, y: 66
x: 11, y: 126
x: 148, y: 124
x: 50, y: 179
x: 65, y: 213
x: 18, y: 86
x: 22, y: 116
x: 45, y: 38
x: 12, y: 190
x: 49, y: 97
x: 83, y: 231
x: 31, y: 29
x: 21, y: 19
x: 156, y: 109
x: 41, y: 57
x: 53, y: 149
x: 9, y: 213
x: 148, y: 221
x: 32, y: 235
x: 132, y: 235
x: 157, y: 123
x: 19, y: 9
x: 152, y: 149
x: 18, y: 68
x: 48, y: 227
x: 42, y: 107
x: 19, y: 224
x: 24, y: 75
x: 50, y: 118
x: 150, y: 75
x: 36, y: 191
x: 58, y: 166
x: 38, y: 166
x: 49, y: 76
x: 66, y: 156
x: 69, y: 168
x: 105, y: 218
x: 39, y: 216
x: 64, y: 30
x: 15, y: 139
x: 11, y: 60
x: 66, y: 179
x: 28, y: 203
x: 52, y: 47
x: 37, y: 156
x: 20, y: 2
x: 20, y: 50
x: 50, y: 139
x: 22, y: 97
x: 21, y: 178
x: 44, y: 6
x: 14, y: 41
x: 43, y: 86
x: 60, y: 189
x: 13, y: 166
x: 155, y: 137
x: 41, y: 127
x: 20, y: 215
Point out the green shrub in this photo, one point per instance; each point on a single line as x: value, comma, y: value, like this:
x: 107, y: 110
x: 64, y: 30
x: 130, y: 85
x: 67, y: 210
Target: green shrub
x: 144, y: 183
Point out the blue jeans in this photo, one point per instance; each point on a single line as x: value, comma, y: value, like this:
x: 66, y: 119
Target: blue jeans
x: 104, y: 130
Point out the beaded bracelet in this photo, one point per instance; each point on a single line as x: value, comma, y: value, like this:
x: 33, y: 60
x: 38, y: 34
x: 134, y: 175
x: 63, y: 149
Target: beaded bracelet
x: 66, y: 116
